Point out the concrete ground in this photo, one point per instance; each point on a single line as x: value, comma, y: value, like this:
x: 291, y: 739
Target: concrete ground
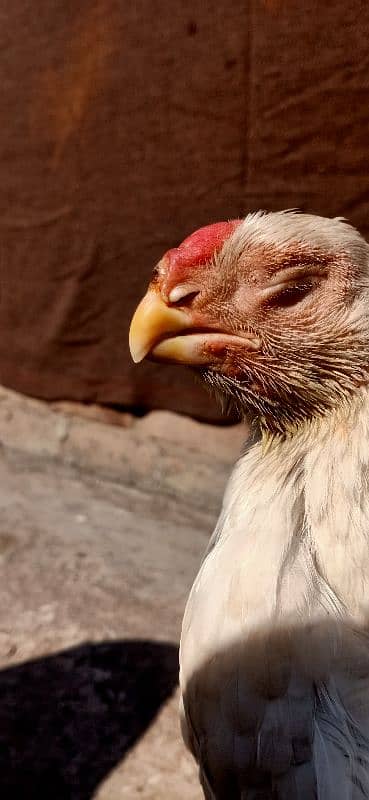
x: 102, y: 527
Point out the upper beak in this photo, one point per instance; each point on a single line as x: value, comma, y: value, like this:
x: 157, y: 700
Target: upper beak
x: 151, y: 322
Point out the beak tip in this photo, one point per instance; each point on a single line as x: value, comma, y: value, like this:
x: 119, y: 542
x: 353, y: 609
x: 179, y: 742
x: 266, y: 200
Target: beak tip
x: 137, y: 353
x: 151, y: 320
x: 137, y: 358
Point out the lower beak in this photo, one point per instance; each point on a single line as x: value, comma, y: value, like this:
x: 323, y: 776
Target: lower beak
x: 152, y: 322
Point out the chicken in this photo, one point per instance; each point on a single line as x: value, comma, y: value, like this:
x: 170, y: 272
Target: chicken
x: 273, y: 312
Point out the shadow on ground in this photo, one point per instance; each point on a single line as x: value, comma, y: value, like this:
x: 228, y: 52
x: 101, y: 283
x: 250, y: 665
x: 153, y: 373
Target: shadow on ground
x: 67, y: 720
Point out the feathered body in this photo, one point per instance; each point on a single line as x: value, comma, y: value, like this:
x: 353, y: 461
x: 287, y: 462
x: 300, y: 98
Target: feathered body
x: 274, y: 653
x: 275, y: 648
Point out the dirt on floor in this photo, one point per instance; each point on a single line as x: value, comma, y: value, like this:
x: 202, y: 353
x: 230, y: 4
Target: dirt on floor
x: 94, y: 578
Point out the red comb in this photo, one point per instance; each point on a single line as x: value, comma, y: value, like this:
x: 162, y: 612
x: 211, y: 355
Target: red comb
x: 201, y: 245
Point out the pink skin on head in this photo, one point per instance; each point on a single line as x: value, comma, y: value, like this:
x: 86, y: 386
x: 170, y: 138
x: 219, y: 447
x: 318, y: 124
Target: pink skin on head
x: 197, y: 249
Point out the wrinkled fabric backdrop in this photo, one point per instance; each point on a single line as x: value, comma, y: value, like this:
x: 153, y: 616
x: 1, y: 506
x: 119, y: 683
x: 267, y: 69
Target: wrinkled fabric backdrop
x: 124, y: 126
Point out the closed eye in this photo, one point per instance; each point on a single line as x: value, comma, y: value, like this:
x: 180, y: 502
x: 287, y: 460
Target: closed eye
x: 290, y: 286
x: 291, y: 295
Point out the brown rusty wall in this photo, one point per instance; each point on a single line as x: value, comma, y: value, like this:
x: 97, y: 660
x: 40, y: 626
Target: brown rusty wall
x: 126, y: 125
x: 308, y: 132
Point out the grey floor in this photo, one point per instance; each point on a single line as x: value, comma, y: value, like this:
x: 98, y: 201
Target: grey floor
x: 94, y: 578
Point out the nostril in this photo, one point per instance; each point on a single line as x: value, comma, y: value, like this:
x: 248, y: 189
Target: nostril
x: 183, y: 292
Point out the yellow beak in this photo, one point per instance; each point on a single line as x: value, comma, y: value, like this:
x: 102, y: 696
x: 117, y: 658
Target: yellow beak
x: 152, y: 321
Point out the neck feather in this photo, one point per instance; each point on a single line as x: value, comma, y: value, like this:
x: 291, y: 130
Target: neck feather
x: 306, y: 499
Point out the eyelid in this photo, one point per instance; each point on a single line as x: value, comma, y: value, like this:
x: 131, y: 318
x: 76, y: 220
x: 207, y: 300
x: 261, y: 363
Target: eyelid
x: 297, y: 280
x: 295, y: 274
x: 273, y: 291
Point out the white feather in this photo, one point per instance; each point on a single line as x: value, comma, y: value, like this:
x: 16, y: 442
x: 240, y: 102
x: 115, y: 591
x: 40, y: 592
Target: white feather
x: 274, y: 650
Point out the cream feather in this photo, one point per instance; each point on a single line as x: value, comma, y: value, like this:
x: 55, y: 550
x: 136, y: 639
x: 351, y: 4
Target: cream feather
x: 274, y: 650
